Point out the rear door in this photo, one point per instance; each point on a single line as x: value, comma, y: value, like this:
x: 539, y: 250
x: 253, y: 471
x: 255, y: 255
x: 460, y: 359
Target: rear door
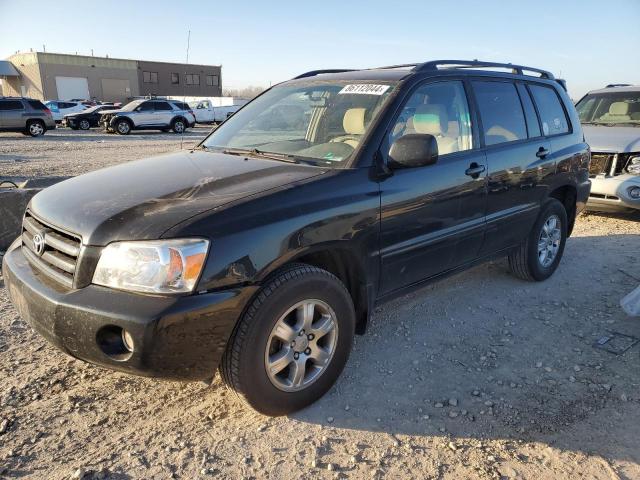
x: 12, y: 114
x: 164, y: 113
x: 518, y: 159
x: 433, y: 216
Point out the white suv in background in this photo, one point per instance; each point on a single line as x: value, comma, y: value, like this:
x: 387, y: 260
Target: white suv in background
x: 61, y: 108
x: 152, y: 114
x: 610, y: 120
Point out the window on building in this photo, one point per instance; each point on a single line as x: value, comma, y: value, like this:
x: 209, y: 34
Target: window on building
x: 175, y: 78
x: 212, y: 80
x: 500, y: 111
x: 192, y: 79
x: 150, y: 77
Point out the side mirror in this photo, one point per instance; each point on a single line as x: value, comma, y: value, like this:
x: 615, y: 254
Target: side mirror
x: 414, y: 150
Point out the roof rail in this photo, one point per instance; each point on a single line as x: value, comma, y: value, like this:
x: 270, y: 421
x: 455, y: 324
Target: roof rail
x: 615, y: 85
x: 515, y: 69
x: 313, y: 73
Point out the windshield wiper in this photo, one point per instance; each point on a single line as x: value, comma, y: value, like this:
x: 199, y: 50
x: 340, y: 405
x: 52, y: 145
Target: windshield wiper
x: 284, y: 157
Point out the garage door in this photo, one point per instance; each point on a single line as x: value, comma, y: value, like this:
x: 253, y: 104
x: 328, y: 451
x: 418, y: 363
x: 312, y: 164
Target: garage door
x: 115, y: 90
x: 72, y: 87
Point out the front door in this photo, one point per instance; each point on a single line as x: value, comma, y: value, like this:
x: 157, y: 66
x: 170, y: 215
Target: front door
x: 145, y: 114
x: 433, y: 217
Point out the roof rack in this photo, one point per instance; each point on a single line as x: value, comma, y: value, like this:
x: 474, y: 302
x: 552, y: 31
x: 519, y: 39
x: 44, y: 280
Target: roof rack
x: 313, y: 73
x: 515, y: 69
x: 616, y: 85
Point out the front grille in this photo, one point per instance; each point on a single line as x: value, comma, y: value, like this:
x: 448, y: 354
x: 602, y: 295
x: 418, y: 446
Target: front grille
x: 600, y: 163
x: 54, y: 253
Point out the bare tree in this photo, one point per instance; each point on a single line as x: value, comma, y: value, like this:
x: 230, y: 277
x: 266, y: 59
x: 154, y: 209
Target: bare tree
x: 246, y: 92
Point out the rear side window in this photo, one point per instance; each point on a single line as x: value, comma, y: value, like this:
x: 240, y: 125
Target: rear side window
x: 181, y: 105
x: 11, y: 105
x: 500, y: 111
x: 163, y: 106
x: 36, y: 104
x: 554, y: 120
x: 529, y: 112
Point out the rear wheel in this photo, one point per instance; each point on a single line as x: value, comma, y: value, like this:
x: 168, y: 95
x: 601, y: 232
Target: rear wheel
x: 178, y: 125
x: 292, y: 342
x: 539, y: 255
x: 122, y: 127
x: 84, y: 124
x: 35, y: 128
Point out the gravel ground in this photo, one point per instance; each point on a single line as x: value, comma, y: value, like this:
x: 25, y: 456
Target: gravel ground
x: 478, y: 376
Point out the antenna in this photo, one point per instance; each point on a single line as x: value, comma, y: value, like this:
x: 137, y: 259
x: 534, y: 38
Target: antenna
x: 184, y: 97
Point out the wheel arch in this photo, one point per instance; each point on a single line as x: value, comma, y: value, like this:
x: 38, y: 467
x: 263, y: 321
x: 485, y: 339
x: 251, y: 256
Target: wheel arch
x: 567, y: 195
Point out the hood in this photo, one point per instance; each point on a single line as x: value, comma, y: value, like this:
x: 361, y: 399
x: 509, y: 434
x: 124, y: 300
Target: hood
x: 612, y: 139
x: 140, y: 200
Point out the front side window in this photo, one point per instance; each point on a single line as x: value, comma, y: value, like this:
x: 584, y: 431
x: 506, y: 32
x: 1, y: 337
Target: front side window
x: 439, y: 109
x: 317, y: 122
x: 11, y: 105
x: 500, y: 111
x: 146, y: 107
x: 610, y: 108
x: 554, y: 120
x: 53, y: 106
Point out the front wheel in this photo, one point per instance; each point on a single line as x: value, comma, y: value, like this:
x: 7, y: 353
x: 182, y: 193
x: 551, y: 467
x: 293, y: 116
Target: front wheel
x: 122, y: 127
x: 293, y: 341
x: 539, y: 255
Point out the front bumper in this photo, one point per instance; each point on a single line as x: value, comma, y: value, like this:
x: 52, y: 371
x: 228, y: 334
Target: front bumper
x: 612, y: 193
x: 179, y: 338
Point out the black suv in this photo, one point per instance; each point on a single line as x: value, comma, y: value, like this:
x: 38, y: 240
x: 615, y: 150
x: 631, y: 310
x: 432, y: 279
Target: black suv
x: 263, y: 250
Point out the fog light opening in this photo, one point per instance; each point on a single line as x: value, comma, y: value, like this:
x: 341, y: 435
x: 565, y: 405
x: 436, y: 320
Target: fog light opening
x: 634, y: 192
x: 115, y: 342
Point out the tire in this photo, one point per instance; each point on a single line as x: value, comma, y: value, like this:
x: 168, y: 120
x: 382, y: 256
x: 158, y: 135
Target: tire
x: 84, y: 124
x: 122, y: 127
x: 178, y: 125
x: 529, y: 261
x: 36, y: 128
x: 255, y: 341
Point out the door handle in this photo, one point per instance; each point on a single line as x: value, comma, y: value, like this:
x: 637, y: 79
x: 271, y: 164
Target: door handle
x: 474, y: 170
x: 542, y: 152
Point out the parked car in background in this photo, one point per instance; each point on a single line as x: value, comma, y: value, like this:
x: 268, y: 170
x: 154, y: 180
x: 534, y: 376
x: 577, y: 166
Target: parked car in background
x: 610, y: 120
x: 153, y: 114
x: 205, y: 112
x: 26, y: 115
x: 87, y: 118
x: 59, y: 108
x: 262, y: 251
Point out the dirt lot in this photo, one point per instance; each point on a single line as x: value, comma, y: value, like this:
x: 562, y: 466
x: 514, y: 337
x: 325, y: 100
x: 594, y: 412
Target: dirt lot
x: 478, y: 376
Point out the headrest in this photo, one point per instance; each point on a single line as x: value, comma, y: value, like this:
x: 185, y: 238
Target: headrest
x: 619, y: 108
x: 353, y: 121
x: 431, y: 119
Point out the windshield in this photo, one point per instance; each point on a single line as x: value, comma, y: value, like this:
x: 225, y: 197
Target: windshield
x: 130, y: 107
x: 610, y: 108
x: 317, y: 122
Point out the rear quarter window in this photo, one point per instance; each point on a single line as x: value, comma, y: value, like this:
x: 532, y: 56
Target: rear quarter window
x: 36, y: 104
x: 501, y: 112
x: 552, y: 115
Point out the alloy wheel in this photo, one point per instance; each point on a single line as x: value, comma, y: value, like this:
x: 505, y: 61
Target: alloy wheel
x: 36, y: 129
x: 549, y: 241
x: 301, y: 345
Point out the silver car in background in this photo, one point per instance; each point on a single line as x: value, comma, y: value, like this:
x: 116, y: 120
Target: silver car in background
x: 610, y: 120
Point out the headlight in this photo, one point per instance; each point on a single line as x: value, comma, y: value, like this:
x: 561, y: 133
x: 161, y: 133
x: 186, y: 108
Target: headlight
x: 634, y: 165
x: 156, y: 266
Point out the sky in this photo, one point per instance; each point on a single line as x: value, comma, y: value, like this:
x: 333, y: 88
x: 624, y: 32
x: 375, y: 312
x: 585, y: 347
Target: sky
x: 589, y: 43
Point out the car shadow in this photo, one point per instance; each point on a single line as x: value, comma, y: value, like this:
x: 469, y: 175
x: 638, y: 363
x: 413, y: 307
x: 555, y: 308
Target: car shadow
x: 484, y: 355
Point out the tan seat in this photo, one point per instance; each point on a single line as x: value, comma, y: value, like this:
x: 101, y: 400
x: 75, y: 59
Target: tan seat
x: 618, y: 112
x: 433, y: 119
x: 354, y: 126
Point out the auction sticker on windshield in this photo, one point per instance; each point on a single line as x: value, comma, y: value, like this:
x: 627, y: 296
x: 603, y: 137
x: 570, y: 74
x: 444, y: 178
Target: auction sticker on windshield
x: 364, y: 89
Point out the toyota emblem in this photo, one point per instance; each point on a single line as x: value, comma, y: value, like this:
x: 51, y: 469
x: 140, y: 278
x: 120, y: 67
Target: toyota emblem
x: 38, y: 243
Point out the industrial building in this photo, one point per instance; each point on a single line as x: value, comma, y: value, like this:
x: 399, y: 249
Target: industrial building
x: 55, y: 76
